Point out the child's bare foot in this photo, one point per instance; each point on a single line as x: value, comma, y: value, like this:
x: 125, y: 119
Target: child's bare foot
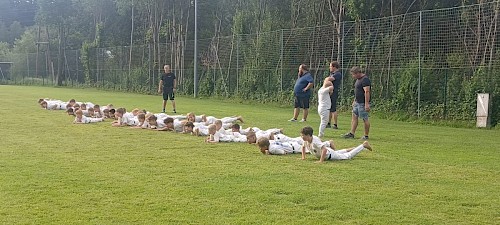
x: 367, y: 145
x: 196, y: 131
x: 281, y: 131
x: 332, y: 144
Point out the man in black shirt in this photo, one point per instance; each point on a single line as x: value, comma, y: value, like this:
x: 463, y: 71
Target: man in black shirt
x: 361, y: 103
x: 168, y: 86
x: 336, y: 78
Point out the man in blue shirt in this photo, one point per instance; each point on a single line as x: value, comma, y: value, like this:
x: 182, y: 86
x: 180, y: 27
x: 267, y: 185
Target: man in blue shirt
x: 302, y: 93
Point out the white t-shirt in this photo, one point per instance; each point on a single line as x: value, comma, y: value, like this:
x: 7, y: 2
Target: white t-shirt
x: 324, y: 102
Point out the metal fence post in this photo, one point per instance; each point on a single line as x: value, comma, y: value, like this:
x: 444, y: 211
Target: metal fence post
x: 419, y: 64
x: 281, y: 60
x: 237, y: 63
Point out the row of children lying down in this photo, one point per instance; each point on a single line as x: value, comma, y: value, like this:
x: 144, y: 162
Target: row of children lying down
x: 271, y: 141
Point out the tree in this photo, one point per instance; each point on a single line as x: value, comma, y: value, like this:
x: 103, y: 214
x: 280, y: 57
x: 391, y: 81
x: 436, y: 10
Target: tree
x: 57, y: 14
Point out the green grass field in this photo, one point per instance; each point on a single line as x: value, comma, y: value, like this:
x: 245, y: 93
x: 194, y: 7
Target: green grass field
x: 54, y: 172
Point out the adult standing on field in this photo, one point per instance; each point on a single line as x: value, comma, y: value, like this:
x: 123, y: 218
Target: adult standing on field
x: 168, y: 86
x: 336, y: 78
x: 361, y: 103
x: 302, y: 93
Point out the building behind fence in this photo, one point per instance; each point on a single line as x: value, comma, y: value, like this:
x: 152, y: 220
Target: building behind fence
x: 430, y: 64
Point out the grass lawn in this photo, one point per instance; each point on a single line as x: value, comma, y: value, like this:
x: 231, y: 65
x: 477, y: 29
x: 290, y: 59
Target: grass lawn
x: 54, y: 172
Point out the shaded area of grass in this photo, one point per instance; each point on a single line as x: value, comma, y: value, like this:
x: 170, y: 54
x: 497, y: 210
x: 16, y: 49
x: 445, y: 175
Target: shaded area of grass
x: 52, y: 171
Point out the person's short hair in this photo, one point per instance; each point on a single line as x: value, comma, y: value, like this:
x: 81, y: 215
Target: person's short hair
x: 335, y: 64
x: 76, y: 105
x: 212, y: 127
x: 304, y: 67
x: 72, y: 100
x: 141, y: 116
x: 307, y: 131
x: 69, y: 110
x: 79, y: 112
x: 235, y: 126
x: 152, y: 118
x: 218, y: 122
x: 112, y: 111
x: 97, y: 106
x: 106, y: 111
x: 144, y: 111
x: 90, y: 109
x: 168, y: 120
x: 40, y: 100
x: 68, y: 106
x: 189, y: 124
x: 120, y: 111
x: 355, y: 69
x: 263, y: 142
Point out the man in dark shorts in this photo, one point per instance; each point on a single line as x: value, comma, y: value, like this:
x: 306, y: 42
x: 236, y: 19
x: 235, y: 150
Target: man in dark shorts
x: 302, y: 93
x: 361, y: 103
x: 168, y: 86
x: 336, y: 79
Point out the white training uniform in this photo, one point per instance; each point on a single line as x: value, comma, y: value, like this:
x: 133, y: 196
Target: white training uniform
x: 161, y: 116
x: 55, y: 105
x: 89, y: 104
x: 245, y: 131
x: 284, y: 138
x: 316, y: 146
x: 210, y: 120
x: 88, y: 120
x: 125, y: 120
x: 160, y: 124
x: 234, y: 137
x: 202, y: 130
x: 324, y: 104
x: 267, y: 133
x: 282, y: 148
x: 128, y: 115
x: 178, y: 127
x: 198, y: 119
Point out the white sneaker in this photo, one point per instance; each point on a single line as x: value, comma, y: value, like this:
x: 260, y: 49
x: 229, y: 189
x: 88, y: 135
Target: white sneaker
x: 292, y: 120
x: 302, y: 120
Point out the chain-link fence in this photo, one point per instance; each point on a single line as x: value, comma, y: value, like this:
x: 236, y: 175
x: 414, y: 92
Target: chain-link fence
x: 429, y: 64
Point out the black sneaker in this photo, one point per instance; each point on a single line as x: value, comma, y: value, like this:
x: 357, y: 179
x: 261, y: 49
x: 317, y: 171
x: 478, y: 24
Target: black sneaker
x: 364, y: 138
x: 328, y: 126
x: 335, y: 127
x: 174, y: 111
x: 348, y: 135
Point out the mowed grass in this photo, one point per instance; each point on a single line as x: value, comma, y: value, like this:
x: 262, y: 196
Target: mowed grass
x: 54, y: 172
